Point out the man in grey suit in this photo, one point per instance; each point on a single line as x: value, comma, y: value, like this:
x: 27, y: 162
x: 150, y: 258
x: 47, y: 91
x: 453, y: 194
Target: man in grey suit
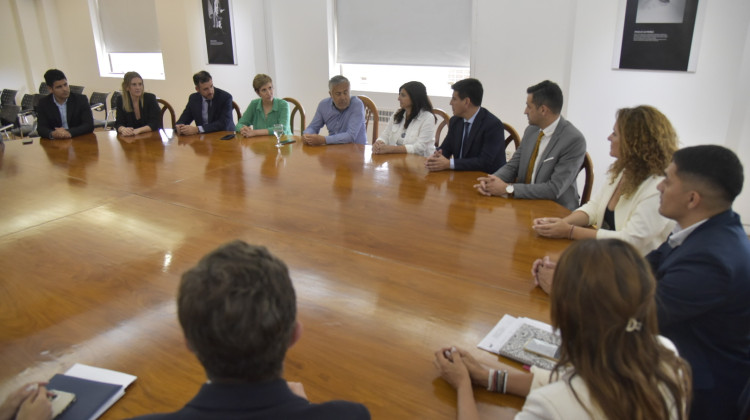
x: 547, y: 163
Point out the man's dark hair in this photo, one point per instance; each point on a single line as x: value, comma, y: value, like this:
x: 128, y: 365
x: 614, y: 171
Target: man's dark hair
x: 471, y: 88
x: 53, y: 75
x: 717, y: 167
x: 237, y: 309
x: 547, y: 93
x: 201, y: 77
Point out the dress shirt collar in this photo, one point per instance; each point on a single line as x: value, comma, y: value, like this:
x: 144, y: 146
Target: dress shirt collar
x: 550, y: 129
x: 679, y: 234
x: 471, y: 120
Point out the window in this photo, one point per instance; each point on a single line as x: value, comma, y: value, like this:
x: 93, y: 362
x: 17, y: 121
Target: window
x: 381, y: 45
x: 120, y: 49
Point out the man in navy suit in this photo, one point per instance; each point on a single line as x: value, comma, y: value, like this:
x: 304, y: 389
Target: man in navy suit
x: 209, y: 107
x: 475, y: 139
x: 547, y: 163
x: 238, y: 312
x: 63, y: 114
x: 703, y: 277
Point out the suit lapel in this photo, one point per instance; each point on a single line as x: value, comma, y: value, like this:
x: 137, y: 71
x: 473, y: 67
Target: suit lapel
x: 474, y: 132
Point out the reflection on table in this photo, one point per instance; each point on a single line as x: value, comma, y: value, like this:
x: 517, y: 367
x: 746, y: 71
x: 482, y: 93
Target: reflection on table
x: 389, y: 261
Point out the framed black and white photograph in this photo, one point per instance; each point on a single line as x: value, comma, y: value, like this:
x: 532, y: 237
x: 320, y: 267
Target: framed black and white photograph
x: 658, y: 35
x: 219, y: 35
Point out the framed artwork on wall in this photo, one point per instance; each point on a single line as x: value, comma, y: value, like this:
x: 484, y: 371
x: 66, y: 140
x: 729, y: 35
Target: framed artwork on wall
x: 658, y: 35
x: 217, y: 21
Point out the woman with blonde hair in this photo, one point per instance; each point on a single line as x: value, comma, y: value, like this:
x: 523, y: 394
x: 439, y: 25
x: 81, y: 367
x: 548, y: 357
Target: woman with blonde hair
x: 612, y: 364
x: 263, y: 113
x: 643, y: 141
x: 137, y: 111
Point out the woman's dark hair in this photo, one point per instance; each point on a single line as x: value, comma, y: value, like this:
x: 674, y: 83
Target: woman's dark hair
x: 419, y: 102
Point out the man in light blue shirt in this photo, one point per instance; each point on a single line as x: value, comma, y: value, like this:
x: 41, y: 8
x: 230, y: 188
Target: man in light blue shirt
x: 343, y: 116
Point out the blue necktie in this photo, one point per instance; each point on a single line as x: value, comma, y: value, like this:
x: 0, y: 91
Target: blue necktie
x: 466, y: 135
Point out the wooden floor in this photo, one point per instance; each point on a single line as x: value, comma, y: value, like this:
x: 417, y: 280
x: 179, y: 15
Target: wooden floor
x: 389, y: 262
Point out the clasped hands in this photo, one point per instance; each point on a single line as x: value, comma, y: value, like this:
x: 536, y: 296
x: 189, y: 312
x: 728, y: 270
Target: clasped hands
x: 491, y: 185
x: 457, y: 367
x: 60, y: 133
x: 313, y: 139
x: 186, y: 129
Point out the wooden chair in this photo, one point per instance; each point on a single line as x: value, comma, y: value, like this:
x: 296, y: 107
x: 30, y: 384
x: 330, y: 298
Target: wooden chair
x: 371, y: 111
x: 237, y: 110
x: 588, y: 184
x: 166, y: 107
x: 297, y: 108
x: 441, y: 124
x: 512, y: 136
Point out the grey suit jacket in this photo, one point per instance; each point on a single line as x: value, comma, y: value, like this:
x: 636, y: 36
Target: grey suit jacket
x: 557, y: 166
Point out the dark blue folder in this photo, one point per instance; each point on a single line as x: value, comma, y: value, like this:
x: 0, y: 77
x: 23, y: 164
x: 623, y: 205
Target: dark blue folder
x: 90, y: 395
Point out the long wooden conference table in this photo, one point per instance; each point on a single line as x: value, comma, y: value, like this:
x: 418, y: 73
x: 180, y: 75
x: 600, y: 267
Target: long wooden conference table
x: 390, y: 262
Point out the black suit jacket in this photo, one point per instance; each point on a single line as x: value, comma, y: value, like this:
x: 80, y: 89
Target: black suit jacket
x: 484, y: 150
x: 80, y: 120
x: 219, y: 113
x: 702, y: 295
x: 259, y: 401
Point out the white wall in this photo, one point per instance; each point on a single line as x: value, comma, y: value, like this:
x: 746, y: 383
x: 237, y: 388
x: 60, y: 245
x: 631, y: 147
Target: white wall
x: 516, y: 44
x: 705, y: 106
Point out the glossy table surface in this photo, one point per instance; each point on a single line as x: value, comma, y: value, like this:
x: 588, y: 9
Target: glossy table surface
x: 390, y: 262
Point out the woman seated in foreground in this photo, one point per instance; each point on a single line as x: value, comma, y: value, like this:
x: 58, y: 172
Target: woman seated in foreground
x: 263, y: 113
x: 643, y: 141
x: 412, y: 127
x: 137, y: 111
x: 612, y: 365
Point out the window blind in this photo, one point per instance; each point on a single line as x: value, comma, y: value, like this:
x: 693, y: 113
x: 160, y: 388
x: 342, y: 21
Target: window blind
x: 129, y: 26
x: 404, y: 32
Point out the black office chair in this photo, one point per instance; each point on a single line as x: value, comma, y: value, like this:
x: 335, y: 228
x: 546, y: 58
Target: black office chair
x: 44, y: 89
x: 76, y: 89
x: 28, y: 102
x: 98, y: 102
x: 8, y: 97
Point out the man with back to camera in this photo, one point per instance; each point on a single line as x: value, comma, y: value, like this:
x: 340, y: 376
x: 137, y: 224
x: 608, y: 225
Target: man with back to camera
x: 547, y: 163
x: 209, y: 107
x: 703, y: 277
x: 62, y: 114
x: 343, y: 116
x: 475, y: 139
x: 243, y: 351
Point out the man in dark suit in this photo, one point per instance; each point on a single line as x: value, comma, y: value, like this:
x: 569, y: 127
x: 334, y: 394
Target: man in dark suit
x: 62, y: 114
x: 237, y: 309
x: 209, y: 107
x: 703, y: 277
x: 547, y: 163
x: 475, y: 140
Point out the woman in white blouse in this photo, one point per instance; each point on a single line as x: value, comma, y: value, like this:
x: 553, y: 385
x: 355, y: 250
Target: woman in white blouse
x: 412, y: 127
x: 612, y: 364
x: 643, y: 141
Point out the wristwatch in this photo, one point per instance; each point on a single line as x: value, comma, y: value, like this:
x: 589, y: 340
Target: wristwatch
x: 509, y: 190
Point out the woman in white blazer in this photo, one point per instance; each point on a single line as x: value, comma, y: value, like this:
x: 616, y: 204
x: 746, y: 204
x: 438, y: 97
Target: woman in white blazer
x: 412, y: 127
x: 612, y: 363
x: 643, y: 141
